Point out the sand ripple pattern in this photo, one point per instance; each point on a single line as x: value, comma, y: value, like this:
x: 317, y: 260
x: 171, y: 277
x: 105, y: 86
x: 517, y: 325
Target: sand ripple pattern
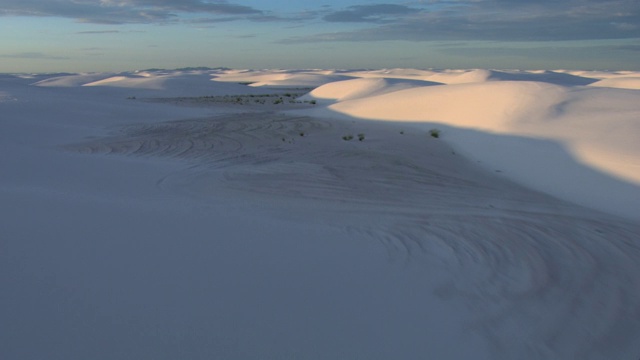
x: 543, y: 276
x: 209, y: 139
x: 555, y: 286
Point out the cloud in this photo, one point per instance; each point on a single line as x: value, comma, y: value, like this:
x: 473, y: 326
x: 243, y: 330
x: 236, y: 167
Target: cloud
x: 496, y: 20
x: 369, y: 13
x: 194, y: 6
x: 33, y: 55
x: 248, y: 36
x: 210, y: 20
x: 570, y: 55
x: 98, y: 32
x: 626, y: 48
x: 122, y: 11
x: 101, y: 32
x: 417, y: 20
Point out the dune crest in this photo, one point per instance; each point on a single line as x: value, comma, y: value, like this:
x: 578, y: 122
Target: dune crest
x: 362, y: 88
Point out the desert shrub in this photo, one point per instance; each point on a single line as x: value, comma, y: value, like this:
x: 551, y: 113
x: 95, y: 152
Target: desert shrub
x: 347, y: 137
x: 360, y: 137
x: 434, y: 133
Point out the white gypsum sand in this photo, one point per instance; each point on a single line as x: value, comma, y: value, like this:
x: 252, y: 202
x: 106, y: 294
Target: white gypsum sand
x: 144, y: 216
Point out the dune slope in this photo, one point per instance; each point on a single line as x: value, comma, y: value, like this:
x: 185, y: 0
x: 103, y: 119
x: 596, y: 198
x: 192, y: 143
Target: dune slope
x: 536, y: 133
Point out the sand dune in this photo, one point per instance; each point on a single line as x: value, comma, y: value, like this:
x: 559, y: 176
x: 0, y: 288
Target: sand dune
x: 73, y: 80
x: 135, y: 228
x: 407, y: 74
x: 283, y: 78
x: 173, y: 84
x: 145, y: 84
x: 482, y: 75
x: 362, y: 88
x: 627, y: 82
x: 597, y: 128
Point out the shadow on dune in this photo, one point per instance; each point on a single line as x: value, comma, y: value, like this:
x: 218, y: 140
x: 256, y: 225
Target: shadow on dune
x: 550, y: 77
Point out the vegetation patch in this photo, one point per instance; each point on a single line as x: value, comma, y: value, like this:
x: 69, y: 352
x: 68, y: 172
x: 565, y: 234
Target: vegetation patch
x: 251, y: 99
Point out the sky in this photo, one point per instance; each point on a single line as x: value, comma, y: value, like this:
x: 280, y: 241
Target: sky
x: 122, y: 35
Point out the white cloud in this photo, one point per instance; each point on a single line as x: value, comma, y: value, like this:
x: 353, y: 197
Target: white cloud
x: 121, y: 11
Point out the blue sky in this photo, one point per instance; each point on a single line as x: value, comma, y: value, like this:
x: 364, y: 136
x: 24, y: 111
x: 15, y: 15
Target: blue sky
x: 115, y: 35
